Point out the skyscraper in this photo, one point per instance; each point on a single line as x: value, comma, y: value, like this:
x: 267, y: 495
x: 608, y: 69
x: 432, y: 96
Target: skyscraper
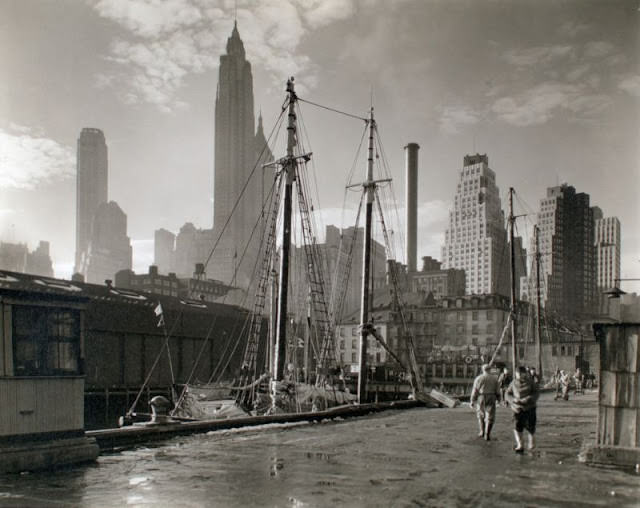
x: 476, y: 239
x: 607, y: 242
x: 568, y: 270
x: 237, y: 148
x: 91, y: 186
x: 109, y: 249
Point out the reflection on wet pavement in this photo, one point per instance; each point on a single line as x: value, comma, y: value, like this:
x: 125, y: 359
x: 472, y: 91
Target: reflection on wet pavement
x: 416, y: 457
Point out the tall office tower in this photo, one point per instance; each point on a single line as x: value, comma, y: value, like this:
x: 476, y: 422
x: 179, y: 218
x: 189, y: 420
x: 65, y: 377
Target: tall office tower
x: 109, y: 249
x: 476, y: 239
x: 236, y: 149
x: 568, y: 270
x: 607, y: 242
x: 91, y: 186
x: 163, y: 250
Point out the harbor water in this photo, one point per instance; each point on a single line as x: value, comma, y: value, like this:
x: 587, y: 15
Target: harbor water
x: 417, y: 457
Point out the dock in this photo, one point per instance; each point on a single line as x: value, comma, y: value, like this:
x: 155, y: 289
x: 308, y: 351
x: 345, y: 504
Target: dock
x: 135, y: 435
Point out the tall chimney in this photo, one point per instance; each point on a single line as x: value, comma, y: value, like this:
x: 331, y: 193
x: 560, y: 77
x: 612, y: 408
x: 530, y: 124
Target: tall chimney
x: 411, y: 204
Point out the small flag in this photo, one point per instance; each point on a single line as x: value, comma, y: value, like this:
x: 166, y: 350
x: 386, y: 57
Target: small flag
x: 158, y: 312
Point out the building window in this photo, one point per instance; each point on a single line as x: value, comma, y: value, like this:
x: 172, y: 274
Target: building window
x: 474, y: 315
x: 489, y: 315
x: 353, y: 358
x: 46, y: 341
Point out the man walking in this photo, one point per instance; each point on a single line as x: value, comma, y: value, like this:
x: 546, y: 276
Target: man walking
x: 523, y: 397
x: 485, y: 394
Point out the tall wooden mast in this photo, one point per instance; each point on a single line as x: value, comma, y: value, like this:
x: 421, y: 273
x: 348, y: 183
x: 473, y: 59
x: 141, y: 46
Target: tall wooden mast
x: 289, y: 167
x: 536, y: 232
x: 369, y: 187
x: 514, y: 326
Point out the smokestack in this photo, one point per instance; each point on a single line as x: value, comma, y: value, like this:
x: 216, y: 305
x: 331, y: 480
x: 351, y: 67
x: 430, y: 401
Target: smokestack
x: 411, y: 204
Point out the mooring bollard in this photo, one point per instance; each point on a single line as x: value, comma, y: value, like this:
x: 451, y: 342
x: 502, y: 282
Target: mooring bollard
x: 159, y: 409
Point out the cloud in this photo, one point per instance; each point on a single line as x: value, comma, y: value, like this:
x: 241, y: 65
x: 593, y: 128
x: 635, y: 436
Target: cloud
x: 539, y: 104
x: 320, y: 13
x: 631, y: 85
x: 598, y: 49
x: 538, y: 55
x: 169, y: 40
x: 573, y: 28
x: 28, y: 160
x: 150, y: 18
x: 453, y: 118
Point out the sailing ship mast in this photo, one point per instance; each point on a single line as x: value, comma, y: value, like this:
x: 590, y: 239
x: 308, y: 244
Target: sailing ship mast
x: 369, y: 186
x: 288, y: 164
x: 536, y: 233
x: 514, y: 328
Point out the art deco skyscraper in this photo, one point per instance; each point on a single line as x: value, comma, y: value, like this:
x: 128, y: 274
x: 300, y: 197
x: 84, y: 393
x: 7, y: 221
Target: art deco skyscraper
x: 91, y: 186
x: 236, y: 156
x: 566, y: 226
x: 476, y: 239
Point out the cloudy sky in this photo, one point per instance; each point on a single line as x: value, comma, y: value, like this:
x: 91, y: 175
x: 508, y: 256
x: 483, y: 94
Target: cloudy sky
x: 549, y: 89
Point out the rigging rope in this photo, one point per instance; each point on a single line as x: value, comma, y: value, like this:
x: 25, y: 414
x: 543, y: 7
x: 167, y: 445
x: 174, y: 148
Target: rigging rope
x: 334, y: 110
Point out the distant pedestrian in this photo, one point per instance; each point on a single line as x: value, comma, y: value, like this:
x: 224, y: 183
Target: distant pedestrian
x: 504, y: 380
x: 484, y: 396
x: 565, y: 382
x: 534, y: 375
x: 579, y: 380
x: 523, y: 397
x: 557, y: 379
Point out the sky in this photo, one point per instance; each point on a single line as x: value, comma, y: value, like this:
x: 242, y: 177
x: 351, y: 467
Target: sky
x: 549, y: 89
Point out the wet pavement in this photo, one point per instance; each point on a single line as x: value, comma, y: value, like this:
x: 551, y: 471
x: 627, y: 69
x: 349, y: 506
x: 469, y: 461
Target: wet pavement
x: 412, y: 458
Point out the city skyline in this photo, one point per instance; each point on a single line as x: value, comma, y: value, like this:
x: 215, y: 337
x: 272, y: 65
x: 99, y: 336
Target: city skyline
x: 550, y: 92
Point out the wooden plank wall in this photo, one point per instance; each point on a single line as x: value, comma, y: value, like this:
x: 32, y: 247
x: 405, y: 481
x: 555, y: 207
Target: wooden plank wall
x: 34, y: 405
x: 619, y: 407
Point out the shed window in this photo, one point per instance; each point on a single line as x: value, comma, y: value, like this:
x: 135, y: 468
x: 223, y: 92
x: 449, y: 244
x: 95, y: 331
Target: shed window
x: 46, y: 341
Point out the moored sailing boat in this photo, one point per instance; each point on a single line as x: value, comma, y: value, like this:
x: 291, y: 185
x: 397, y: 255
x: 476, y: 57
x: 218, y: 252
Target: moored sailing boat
x: 268, y: 383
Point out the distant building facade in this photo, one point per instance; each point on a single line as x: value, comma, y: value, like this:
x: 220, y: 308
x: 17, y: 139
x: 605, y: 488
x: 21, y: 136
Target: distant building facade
x: 476, y: 239
x: 433, y: 279
x: 568, y: 254
x: 335, y: 252
x: 196, y: 287
x: 91, y: 186
x: 607, y: 242
x: 39, y: 261
x: 109, y: 249
x: 163, y: 250
x: 193, y: 245
x: 16, y: 257
x: 239, y: 149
